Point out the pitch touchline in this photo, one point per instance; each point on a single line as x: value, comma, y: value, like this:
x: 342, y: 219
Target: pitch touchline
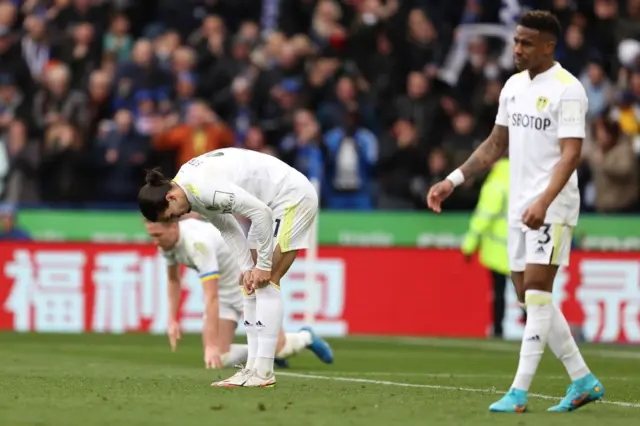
x: 437, y: 387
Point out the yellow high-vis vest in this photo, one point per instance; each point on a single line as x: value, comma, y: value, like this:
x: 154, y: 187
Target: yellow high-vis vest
x: 488, y: 226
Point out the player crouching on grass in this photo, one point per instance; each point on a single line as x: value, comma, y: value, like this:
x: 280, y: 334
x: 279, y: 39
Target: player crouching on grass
x: 542, y: 121
x: 198, y: 245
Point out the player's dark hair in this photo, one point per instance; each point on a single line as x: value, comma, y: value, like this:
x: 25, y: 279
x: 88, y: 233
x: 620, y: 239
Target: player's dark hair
x: 152, y: 198
x: 543, y: 21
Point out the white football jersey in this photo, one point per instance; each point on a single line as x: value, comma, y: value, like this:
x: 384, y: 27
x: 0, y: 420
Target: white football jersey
x: 234, y: 181
x: 539, y: 113
x: 200, y: 247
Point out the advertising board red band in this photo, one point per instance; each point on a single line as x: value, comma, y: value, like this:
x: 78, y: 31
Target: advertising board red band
x: 115, y: 288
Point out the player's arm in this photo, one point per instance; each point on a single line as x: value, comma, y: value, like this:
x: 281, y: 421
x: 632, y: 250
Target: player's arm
x: 234, y: 236
x: 231, y: 199
x: 219, y: 200
x: 204, y: 256
x: 488, y: 152
x: 173, y: 294
x: 173, y: 290
x: 211, y: 311
x: 572, y: 112
x: 492, y: 148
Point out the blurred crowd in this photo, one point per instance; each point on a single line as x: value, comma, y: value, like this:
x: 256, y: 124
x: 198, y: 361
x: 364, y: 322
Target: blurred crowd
x: 374, y: 100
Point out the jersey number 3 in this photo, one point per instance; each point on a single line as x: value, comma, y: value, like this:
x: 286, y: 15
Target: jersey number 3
x: 544, y: 234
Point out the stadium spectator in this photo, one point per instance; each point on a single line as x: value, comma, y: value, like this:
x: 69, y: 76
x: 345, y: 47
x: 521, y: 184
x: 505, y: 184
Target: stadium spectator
x: 331, y: 112
x: 615, y: 169
x: 202, y: 132
x: 99, y: 100
x: 37, y: 45
x: 422, y: 106
x: 13, y: 102
x: 119, y: 156
x: 302, y: 148
x: 401, y: 163
x: 63, y: 164
x: 11, y: 62
x: 58, y: 103
x: 117, y: 42
x: 255, y: 141
x: 19, y: 165
x: 351, y: 155
x: 80, y: 52
x: 141, y: 73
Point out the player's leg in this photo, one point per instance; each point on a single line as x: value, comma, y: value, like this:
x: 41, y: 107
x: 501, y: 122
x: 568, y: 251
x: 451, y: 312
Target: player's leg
x: 561, y: 340
x: 249, y: 306
x: 585, y: 387
x: 499, y: 286
x: 515, y: 401
x: 232, y: 354
x: 294, y: 221
x: 547, y: 249
x: 231, y: 311
x: 270, y: 314
x: 538, y: 283
x: 295, y: 235
x: 518, y: 282
x: 538, y: 298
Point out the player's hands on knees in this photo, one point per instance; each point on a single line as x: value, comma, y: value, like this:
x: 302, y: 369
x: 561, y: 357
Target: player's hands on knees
x: 174, y: 333
x: 212, y: 357
x: 260, y: 278
x: 438, y: 193
x: 247, y: 282
x: 534, y: 215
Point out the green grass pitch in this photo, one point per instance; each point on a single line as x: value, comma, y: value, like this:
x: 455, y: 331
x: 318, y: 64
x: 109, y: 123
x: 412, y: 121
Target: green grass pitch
x: 131, y: 380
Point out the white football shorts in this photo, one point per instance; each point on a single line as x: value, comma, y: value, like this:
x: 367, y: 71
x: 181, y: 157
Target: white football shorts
x: 293, y: 215
x: 549, y: 245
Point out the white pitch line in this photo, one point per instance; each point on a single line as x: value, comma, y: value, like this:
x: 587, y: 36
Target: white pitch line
x: 454, y: 375
x: 496, y: 346
x: 436, y: 387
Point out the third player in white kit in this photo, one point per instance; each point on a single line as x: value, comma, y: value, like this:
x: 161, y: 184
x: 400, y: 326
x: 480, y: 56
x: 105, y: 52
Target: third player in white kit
x: 280, y: 203
x: 199, y: 246
x: 541, y: 120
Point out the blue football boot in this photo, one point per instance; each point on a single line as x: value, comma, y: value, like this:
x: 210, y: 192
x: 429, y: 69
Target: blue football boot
x: 581, y: 392
x: 319, y: 346
x: 514, y: 401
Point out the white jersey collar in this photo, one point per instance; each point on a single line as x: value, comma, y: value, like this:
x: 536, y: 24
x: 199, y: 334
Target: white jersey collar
x: 555, y: 67
x: 190, y: 197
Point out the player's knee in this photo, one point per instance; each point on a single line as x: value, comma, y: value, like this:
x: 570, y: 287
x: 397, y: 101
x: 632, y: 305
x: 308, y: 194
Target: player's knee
x: 537, y: 298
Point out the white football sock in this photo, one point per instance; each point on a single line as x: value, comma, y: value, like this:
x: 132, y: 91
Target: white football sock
x: 294, y: 343
x: 237, y: 355
x: 536, y: 333
x: 249, y: 307
x: 269, y: 315
x: 564, y: 346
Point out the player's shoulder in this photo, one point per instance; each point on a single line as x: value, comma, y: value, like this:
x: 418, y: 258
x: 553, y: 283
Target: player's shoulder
x: 515, y: 80
x: 197, y: 233
x: 568, y: 84
x: 196, y: 228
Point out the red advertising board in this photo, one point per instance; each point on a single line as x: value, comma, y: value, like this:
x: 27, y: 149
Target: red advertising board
x: 66, y: 287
